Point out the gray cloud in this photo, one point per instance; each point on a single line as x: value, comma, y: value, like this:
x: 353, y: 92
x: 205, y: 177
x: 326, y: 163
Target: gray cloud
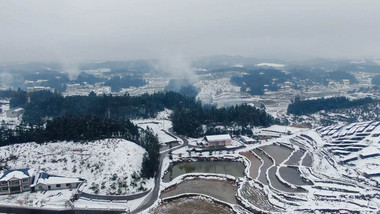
x: 78, y: 31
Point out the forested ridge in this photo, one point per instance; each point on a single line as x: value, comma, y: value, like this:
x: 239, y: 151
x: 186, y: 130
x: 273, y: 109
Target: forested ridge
x: 188, y: 114
x: 256, y: 80
x: 300, y: 107
x: 51, y: 117
x: 190, y: 121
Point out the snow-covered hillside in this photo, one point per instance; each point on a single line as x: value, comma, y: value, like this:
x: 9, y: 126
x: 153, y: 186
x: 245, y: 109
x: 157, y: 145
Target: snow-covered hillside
x: 355, y: 146
x: 110, y: 166
x: 159, y: 126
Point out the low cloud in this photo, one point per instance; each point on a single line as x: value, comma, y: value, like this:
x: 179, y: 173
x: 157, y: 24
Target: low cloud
x: 176, y: 66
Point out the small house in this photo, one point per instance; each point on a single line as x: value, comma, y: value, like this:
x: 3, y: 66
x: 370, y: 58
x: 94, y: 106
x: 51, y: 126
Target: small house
x: 13, y: 113
x: 46, y: 181
x: 247, y: 140
x: 218, y: 140
x: 16, y: 181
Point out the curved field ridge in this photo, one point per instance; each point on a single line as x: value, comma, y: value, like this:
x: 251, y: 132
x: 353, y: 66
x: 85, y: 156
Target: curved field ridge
x: 196, y: 205
x: 255, y: 164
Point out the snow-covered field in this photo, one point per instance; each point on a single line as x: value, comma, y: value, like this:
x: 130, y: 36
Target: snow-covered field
x: 305, y: 175
x: 357, y: 147
x: 110, y: 166
x: 159, y: 125
x: 57, y: 199
x: 220, y: 92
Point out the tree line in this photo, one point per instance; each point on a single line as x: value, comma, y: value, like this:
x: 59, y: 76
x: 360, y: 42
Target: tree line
x: 188, y: 114
x: 191, y: 121
x: 255, y: 81
x: 258, y: 79
x: 51, y: 117
x: 301, y: 107
x: 44, y: 105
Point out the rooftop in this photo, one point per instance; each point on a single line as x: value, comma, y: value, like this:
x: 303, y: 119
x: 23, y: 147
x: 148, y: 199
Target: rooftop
x: 16, y: 173
x: 47, y: 179
x: 221, y: 137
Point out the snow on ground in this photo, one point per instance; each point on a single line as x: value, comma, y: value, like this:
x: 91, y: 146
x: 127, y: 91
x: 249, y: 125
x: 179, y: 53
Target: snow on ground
x: 159, y: 125
x: 9, y: 122
x: 280, y: 129
x: 357, y: 146
x: 46, y: 199
x: 274, y: 65
x: 110, y: 166
x: 331, y: 184
x: 221, y: 92
x: 83, y: 203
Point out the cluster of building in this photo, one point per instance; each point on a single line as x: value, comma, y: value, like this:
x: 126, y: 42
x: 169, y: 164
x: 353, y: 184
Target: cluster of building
x: 25, y: 180
x: 86, y: 88
x: 223, y: 141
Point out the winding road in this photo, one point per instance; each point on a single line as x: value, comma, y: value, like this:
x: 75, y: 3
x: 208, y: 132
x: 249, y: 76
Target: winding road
x: 153, y: 196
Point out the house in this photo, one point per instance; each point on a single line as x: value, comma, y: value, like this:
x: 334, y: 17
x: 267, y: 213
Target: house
x: 247, y: 140
x: 46, y: 181
x: 218, y: 140
x: 16, y: 181
x: 13, y: 113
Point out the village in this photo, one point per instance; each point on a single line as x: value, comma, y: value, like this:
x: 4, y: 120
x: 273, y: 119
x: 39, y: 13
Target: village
x: 273, y: 164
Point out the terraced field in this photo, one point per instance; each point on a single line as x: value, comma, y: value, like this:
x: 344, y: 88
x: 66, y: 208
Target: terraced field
x: 219, y: 189
x: 196, y: 205
x: 330, y: 169
x: 255, y: 164
x: 312, y: 170
x: 356, y: 145
x: 257, y: 197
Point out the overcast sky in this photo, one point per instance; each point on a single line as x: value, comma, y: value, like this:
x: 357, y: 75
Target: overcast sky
x: 75, y: 30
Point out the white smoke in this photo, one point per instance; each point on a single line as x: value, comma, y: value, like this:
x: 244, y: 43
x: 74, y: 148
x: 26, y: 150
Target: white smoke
x: 70, y: 66
x: 6, y: 79
x: 176, y: 66
x: 72, y: 69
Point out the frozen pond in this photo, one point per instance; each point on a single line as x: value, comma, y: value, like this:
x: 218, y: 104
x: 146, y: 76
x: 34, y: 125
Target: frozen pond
x: 219, y: 189
x: 296, y: 157
x: 293, y: 176
x: 307, y: 160
x: 255, y: 164
x: 233, y: 168
x: 278, y: 153
x: 263, y: 170
x: 277, y: 184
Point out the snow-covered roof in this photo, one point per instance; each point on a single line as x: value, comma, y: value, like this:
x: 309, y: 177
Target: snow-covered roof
x: 47, y: 179
x: 222, y: 137
x: 246, y: 139
x: 18, y: 109
x: 16, y: 173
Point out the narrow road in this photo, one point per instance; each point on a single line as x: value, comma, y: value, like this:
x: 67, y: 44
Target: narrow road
x: 153, y: 196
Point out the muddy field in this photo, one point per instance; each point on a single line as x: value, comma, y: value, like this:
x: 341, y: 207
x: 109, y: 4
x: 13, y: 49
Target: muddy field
x: 194, y: 205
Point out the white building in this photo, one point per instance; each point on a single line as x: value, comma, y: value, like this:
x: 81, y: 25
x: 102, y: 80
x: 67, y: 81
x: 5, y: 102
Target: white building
x: 46, y: 181
x: 13, y: 113
x: 218, y: 140
x: 16, y: 181
x: 247, y: 140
